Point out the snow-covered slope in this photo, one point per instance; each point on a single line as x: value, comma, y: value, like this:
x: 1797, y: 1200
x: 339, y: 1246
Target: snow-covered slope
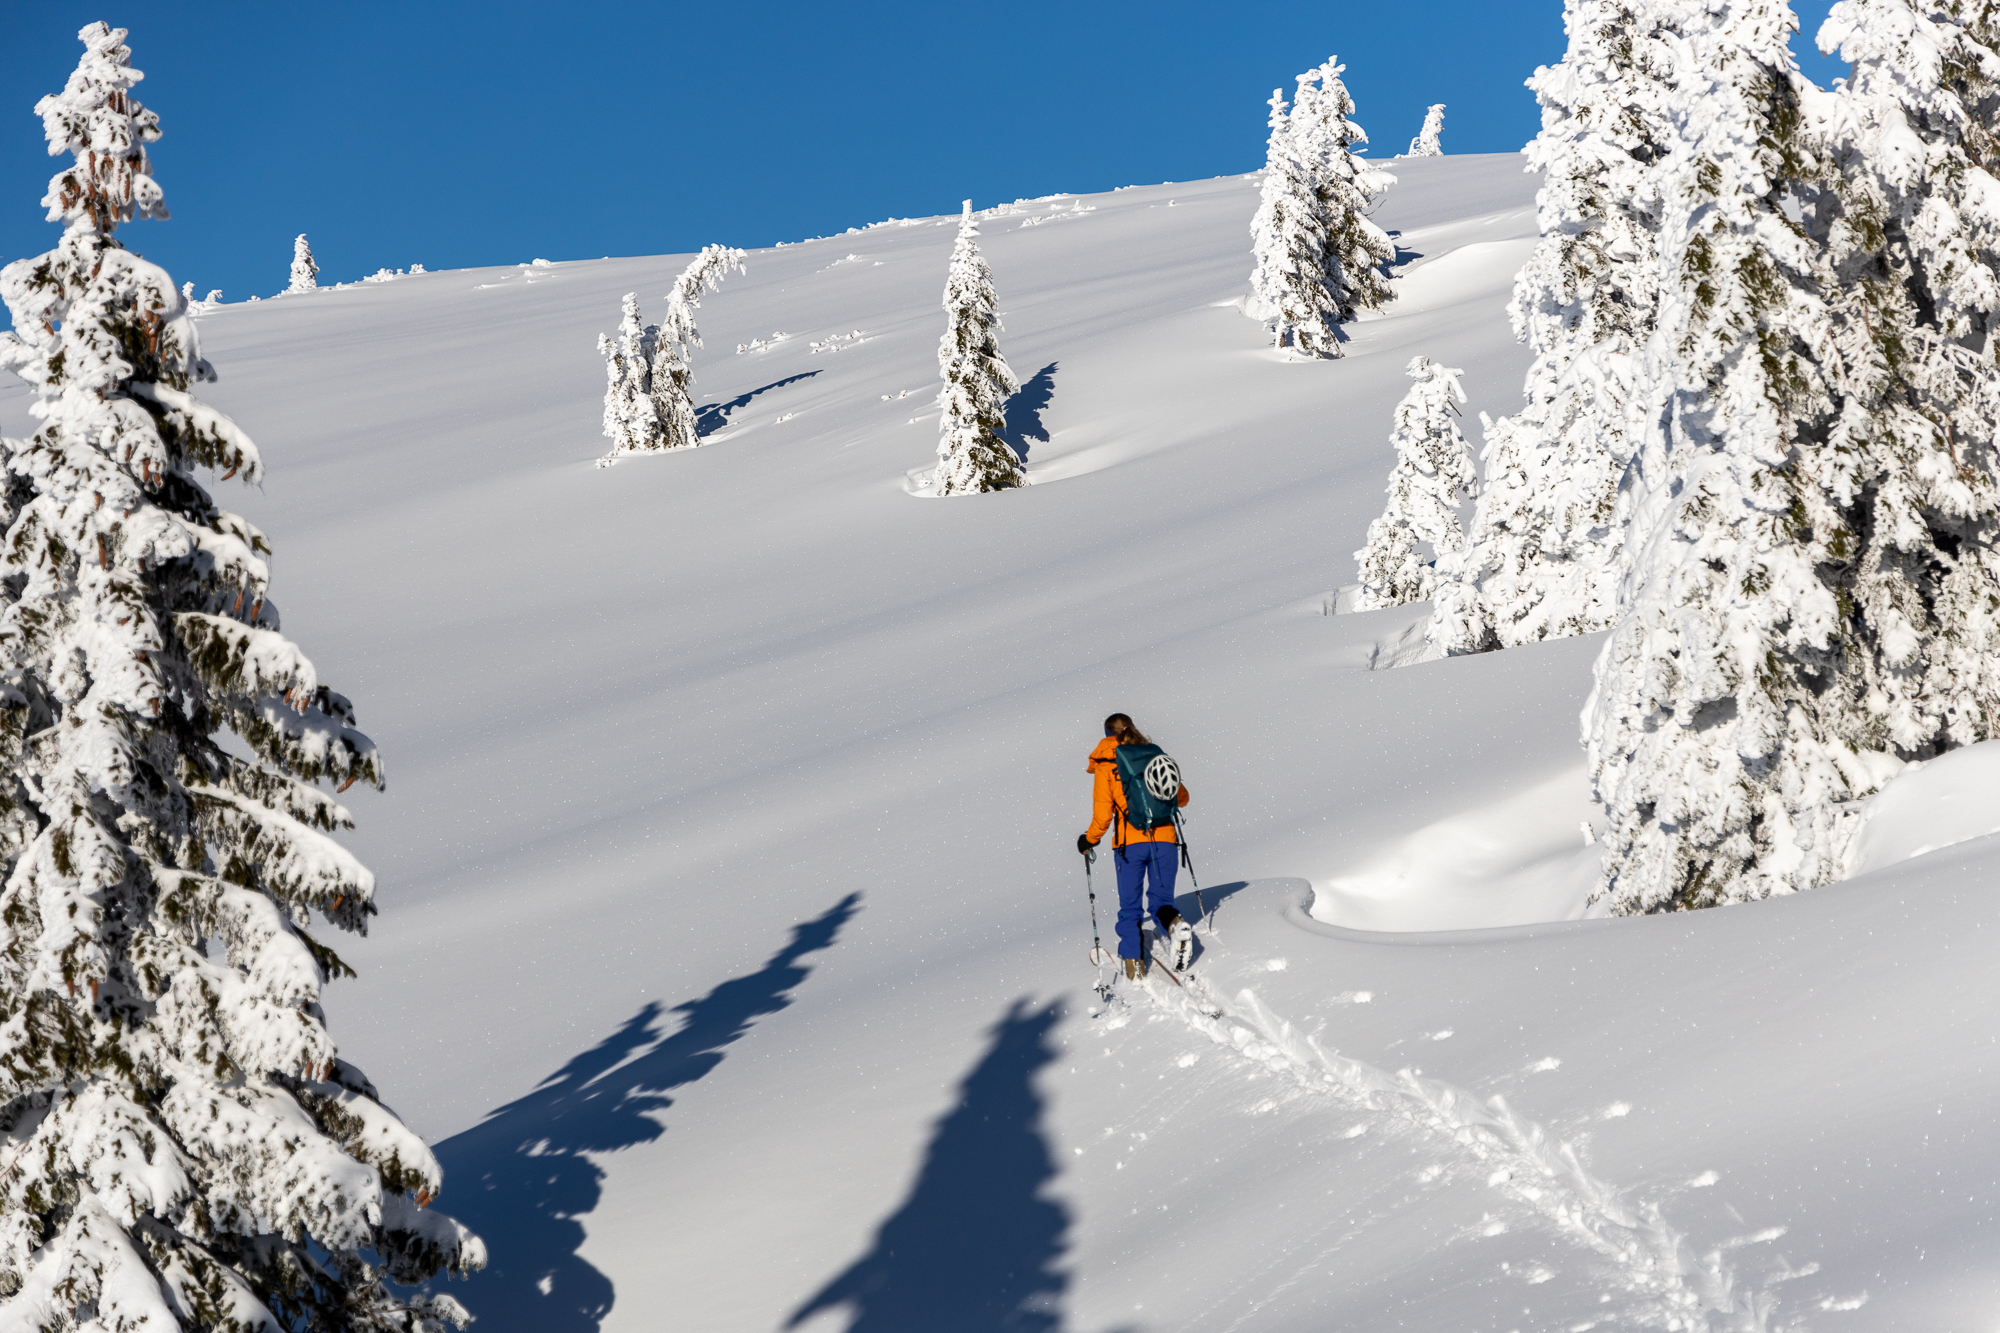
x: 733, y: 941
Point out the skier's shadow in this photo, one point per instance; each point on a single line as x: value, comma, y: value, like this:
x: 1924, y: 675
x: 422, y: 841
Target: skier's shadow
x: 975, y: 1247
x: 522, y: 1180
x: 1024, y: 411
x: 1213, y: 896
x: 712, y: 417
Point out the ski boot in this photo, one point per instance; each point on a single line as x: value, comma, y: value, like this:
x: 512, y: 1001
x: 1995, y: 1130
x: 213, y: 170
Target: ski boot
x: 1179, y: 936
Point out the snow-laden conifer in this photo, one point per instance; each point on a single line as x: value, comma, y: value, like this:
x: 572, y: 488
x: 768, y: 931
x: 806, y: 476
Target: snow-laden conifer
x: 305, y: 273
x: 671, y: 377
x: 184, y: 1148
x: 1913, y: 227
x: 1433, y: 472
x: 977, y: 380
x: 1348, y: 186
x: 1543, y: 556
x: 630, y: 421
x: 1318, y: 257
x: 1288, y: 241
x: 1427, y: 144
x: 1715, y: 727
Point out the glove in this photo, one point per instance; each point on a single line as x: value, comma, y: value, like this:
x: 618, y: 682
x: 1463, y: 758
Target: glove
x: 1085, y: 847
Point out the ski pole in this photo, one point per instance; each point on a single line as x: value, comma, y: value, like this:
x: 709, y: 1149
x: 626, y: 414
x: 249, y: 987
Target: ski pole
x: 1188, y: 861
x: 1096, y: 945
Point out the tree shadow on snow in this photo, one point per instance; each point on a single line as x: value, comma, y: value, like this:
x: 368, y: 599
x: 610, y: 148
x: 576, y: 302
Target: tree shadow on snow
x: 522, y: 1180
x: 1024, y: 411
x: 712, y: 417
x: 975, y: 1246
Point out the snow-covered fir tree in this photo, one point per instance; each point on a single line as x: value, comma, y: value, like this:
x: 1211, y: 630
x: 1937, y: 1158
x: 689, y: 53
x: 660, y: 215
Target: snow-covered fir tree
x: 185, y: 1149
x: 305, y: 273
x: 630, y: 422
x: 1716, y: 739
x: 1319, y: 260
x: 1543, y: 558
x: 1433, y: 472
x: 1348, y: 186
x: 1288, y: 239
x: 671, y: 377
x: 1427, y: 143
x: 977, y: 380
x: 1913, y: 229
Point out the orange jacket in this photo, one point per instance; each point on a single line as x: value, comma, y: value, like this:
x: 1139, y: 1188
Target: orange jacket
x: 1108, y: 800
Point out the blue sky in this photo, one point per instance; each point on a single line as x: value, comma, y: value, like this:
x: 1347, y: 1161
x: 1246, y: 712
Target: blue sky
x: 455, y: 134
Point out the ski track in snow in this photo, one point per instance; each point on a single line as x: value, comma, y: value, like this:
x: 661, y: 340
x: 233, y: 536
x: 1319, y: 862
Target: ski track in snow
x: 1670, y: 1284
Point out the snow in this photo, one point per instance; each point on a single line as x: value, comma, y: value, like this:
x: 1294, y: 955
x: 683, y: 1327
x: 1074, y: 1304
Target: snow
x: 1932, y: 805
x: 1812, y: 1143
x: 1516, y: 860
x: 732, y: 940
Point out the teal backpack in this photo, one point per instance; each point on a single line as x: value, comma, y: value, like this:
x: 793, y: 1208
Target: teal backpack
x: 1151, y: 780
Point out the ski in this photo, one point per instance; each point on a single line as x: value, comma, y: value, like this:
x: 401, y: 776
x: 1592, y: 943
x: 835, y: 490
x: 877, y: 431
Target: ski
x: 1160, y: 965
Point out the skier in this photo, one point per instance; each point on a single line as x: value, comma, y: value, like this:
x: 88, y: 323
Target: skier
x: 1144, y: 846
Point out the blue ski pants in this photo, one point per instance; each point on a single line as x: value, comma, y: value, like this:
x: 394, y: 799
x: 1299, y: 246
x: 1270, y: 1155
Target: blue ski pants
x: 1147, y: 867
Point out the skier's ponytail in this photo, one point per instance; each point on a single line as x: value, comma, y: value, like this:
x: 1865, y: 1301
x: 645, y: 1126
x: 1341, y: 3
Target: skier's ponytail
x: 1121, y: 729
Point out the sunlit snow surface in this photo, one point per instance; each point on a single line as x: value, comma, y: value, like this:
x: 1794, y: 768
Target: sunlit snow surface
x: 728, y: 839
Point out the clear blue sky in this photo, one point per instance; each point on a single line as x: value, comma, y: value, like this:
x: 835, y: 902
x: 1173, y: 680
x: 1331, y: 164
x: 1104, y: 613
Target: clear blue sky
x: 455, y: 134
